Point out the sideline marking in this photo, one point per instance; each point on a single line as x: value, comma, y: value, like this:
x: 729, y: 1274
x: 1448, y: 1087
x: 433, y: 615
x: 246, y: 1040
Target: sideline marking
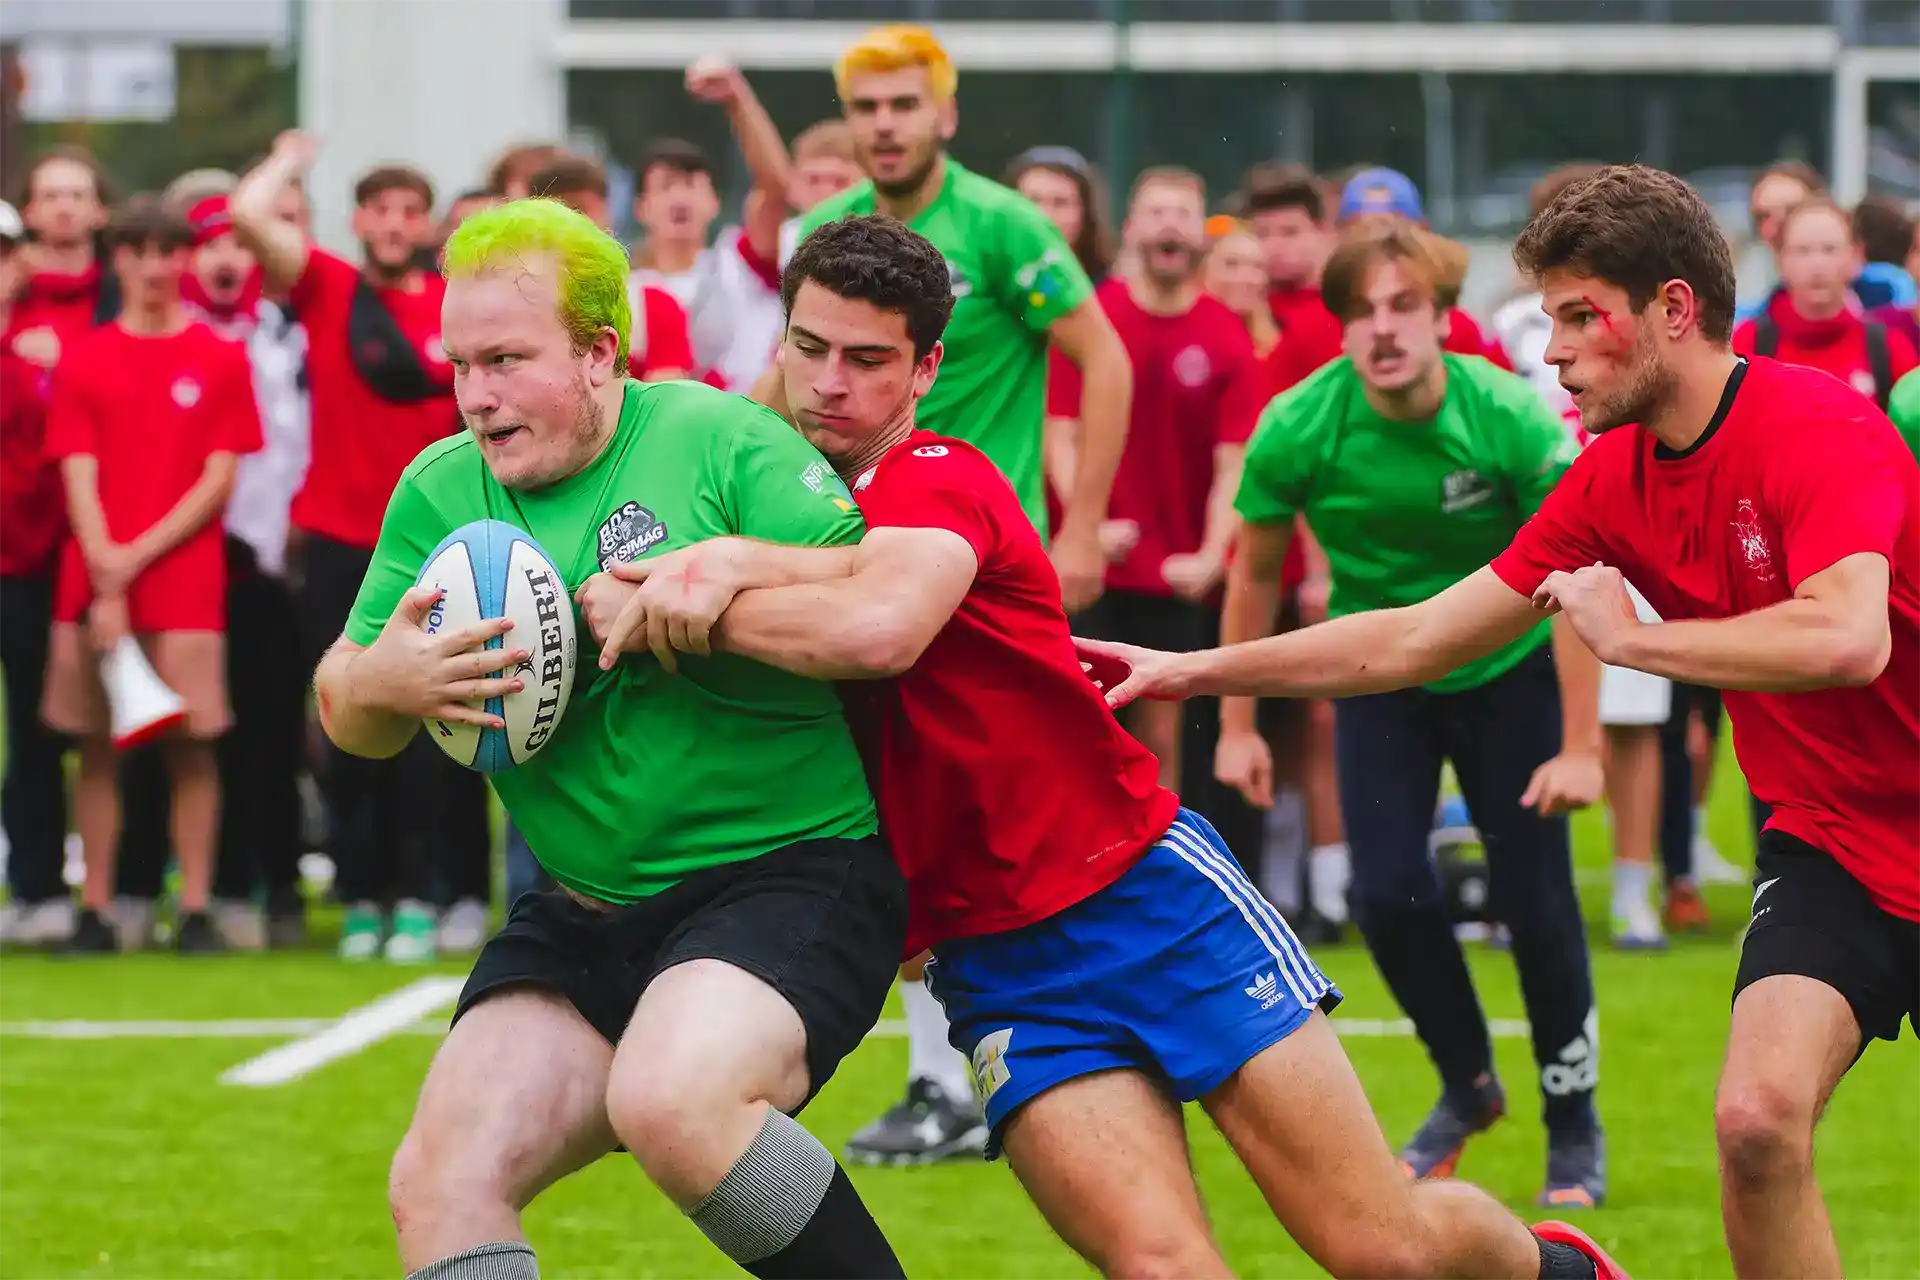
x: 353, y: 1032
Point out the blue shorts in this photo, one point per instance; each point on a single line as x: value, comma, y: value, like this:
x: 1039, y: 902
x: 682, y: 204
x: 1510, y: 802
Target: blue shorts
x: 1179, y: 969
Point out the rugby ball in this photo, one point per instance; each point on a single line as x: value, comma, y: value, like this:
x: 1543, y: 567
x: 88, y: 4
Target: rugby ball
x: 489, y: 569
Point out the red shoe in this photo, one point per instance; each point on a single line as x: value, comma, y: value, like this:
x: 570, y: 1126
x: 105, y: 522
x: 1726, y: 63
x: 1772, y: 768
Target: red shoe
x: 1686, y: 910
x: 1568, y: 1234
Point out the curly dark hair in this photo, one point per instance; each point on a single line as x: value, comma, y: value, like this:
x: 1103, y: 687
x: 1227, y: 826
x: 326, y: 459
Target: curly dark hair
x: 879, y: 260
x: 1636, y: 227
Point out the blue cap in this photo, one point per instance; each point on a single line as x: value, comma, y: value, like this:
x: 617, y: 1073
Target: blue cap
x: 1380, y: 191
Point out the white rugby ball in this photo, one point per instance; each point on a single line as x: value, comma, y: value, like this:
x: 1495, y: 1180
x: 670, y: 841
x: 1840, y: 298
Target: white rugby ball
x: 489, y: 569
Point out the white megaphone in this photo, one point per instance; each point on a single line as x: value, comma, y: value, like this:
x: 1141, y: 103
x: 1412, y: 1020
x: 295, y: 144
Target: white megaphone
x: 143, y: 706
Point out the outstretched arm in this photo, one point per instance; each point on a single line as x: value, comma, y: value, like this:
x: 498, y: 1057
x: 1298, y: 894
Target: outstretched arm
x: 280, y: 246
x: 1360, y: 653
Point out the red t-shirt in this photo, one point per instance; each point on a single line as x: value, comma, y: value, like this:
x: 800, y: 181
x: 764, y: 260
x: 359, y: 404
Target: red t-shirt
x: 1196, y: 385
x: 1837, y: 345
x: 667, y: 343
x: 1006, y: 788
x: 64, y: 303
x: 33, y: 516
x: 150, y: 412
x: 1466, y: 338
x: 361, y: 443
x: 1801, y: 472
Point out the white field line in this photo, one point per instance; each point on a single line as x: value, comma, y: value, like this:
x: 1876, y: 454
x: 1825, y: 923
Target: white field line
x: 367, y: 1025
x: 274, y: 1028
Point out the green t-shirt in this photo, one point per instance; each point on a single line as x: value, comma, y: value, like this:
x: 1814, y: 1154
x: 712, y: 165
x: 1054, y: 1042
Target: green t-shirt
x: 652, y: 776
x: 1013, y: 276
x: 1406, y: 509
x: 1903, y: 406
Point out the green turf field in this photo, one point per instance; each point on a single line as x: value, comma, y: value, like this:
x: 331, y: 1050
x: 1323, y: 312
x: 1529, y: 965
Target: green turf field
x: 126, y: 1157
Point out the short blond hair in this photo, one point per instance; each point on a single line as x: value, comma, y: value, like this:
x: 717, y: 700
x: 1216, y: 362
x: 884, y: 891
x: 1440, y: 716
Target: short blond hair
x: 825, y: 139
x: 894, y: 48
x: 1438, y: 264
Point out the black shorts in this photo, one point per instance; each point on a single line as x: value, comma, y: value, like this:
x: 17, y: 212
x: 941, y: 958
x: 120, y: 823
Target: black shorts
x: 823, y: 922
x: 1167, y: 623
x: 1812, y: 919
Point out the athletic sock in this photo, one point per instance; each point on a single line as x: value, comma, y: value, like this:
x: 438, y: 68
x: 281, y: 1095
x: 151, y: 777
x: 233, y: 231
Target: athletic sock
x: 1564, y: 1262
x: 1416, y: 953
x: 1329, y: 871
x: 1632, y: 890
x: 787, y: 1211
x: 506, y: 1260
x: 929, y: 1054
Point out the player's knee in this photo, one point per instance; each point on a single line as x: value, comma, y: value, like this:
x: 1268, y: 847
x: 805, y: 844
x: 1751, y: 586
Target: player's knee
x: 1763, y: 1130
x: 439, y: 1173
x: 660, y: 1110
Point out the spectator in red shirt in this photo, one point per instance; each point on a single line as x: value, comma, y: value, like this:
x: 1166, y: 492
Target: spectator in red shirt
x: 382, y: 390
x: 1814, y: 318
x: 149, y: 417
x: 66, y: 293
x: 660, y: 349
x: 1198, y: 390
x: 33, y: 803
x: 1889, y: 237
x: 1286, y: 210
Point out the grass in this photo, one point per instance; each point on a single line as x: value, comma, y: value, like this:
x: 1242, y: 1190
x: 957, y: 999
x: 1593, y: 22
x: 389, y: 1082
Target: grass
x: 126, y: 1158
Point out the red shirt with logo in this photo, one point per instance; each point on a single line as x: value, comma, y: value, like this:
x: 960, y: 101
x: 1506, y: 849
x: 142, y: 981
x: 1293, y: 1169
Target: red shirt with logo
x: 661, y: 334
x: 1799, y: 472
x: 1007, y: 790
x: 150, y: 411
x: 361, y: 443
x: 33, y: 517
x: 1196, y: 385
x: 1836, y: 345
x: 61, y: 301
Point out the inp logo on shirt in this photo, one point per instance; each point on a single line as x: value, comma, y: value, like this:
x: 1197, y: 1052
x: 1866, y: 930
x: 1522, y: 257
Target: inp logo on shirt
x: 1038, y: 278
x: 1460, y: 490
x: 628, y: 534
x: 186, y: 392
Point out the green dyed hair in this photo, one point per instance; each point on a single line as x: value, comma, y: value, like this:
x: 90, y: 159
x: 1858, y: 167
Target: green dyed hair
x: 592, y: 264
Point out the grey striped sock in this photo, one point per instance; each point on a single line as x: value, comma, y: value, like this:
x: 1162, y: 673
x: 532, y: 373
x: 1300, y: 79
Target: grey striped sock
x: 770, y: 1193
x: 506, y: 1260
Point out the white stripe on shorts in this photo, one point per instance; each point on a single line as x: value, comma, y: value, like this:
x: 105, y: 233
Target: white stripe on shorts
x: 1259, y: 914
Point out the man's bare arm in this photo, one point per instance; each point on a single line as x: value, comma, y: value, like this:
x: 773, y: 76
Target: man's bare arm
x: 1086, y: 337
x: 1252, y: 599
x: 1579, y: 673
x: 1365, y: 652
x: 1834, y: 631
x: 280, y: 246
x: 874, y: 622
x: 354, y: 727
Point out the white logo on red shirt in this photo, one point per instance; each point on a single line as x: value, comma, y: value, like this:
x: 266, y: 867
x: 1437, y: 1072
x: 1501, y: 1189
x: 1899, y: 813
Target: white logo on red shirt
x: 1863, y: 382
x: 186, y: 392
x: 435, y: 352
x: 930, y: 451
x: 1192, y: 368
x: 1753, y: 541
x: 866, y: 478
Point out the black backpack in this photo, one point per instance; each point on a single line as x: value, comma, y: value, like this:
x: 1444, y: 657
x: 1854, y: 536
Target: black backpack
x: 382, y: 353
x: 1766, y: 341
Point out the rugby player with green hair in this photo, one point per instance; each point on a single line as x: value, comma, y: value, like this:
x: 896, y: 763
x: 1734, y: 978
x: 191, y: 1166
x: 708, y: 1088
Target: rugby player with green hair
x: 728, y: 922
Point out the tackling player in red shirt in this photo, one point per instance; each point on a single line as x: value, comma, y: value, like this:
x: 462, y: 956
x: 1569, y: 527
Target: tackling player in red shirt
x: 149, y: 417
x: 1772, y: 516
x: 1197, y: 389
x: 1099, y: 951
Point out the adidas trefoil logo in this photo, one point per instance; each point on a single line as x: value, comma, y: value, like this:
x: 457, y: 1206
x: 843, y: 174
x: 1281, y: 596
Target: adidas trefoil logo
x: 1265, y: 989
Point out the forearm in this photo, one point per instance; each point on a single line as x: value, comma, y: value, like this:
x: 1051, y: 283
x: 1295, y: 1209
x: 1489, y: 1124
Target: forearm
x: 1061, y: 443
x: 760, y: 143
x: 196, y: 507
x: 79, y: 476
x: 824, y: 630
x: 1794, y: 645
x: 355, y: 727
x: 1361, y: 653
x: 1247, y: 613
x: 755, y: 565
x: 1223, y: 517
x: 1106, y: 399
x: 1579, y: 674
x: 280, y: 247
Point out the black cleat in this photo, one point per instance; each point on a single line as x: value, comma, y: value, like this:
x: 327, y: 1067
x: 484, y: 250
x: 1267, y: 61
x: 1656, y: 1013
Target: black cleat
x: 924, y: 1127
x: 91, y: 936
x: 1435, y: 1148
x: 195, y: 935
